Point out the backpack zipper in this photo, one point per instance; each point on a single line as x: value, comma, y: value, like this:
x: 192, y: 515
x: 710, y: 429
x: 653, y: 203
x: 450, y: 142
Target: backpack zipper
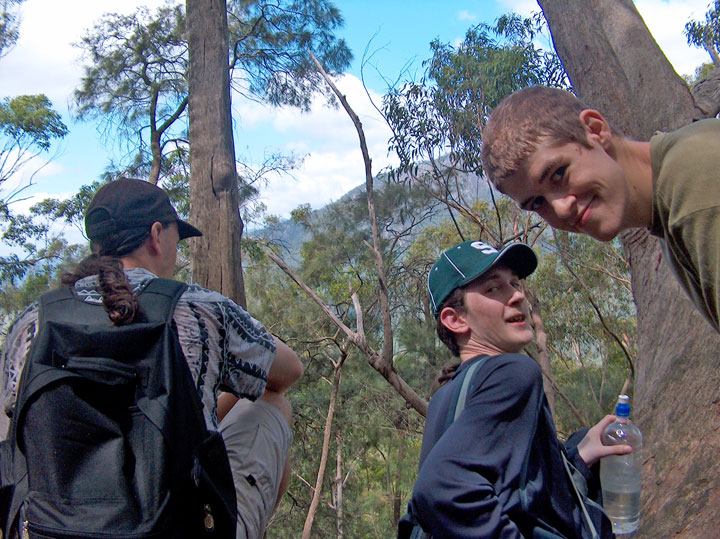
x: 209, y: 520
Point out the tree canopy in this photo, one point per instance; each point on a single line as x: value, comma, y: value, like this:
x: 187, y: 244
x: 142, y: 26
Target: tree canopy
x: 706, y: 34
x: 28, y: 125
x: 9, y: 24
x: 136, y: 69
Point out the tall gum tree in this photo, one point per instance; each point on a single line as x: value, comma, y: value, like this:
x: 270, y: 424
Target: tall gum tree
x: 269, y: 44
x: 616, y: 66
x: 214, y: 201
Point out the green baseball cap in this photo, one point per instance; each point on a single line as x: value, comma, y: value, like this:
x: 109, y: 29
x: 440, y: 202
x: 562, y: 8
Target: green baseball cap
x: 469, y: 260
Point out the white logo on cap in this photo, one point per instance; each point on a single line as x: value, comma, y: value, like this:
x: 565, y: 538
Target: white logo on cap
x: 484, y: 247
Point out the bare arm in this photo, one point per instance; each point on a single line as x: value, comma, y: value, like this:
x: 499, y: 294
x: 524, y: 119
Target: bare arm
x: 285, y: 370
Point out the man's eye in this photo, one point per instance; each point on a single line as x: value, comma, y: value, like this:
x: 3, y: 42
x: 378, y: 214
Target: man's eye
x: 536, y: 204
x: 557, y: 175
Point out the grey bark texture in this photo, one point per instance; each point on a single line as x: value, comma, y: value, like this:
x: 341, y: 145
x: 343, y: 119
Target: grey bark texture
x: 214, y: 200
x: 616, y: 66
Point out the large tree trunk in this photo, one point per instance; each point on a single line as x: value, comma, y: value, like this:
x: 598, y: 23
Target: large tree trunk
x: 616, y: 66
x: 214, y: 202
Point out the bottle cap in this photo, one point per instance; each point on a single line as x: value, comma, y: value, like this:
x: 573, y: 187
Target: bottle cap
x: 623, y: 406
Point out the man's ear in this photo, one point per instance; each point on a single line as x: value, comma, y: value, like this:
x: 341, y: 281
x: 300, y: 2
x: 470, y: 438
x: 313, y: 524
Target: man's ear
x: 153, y: 240
x: 596, y: 128
x: 454, y: 320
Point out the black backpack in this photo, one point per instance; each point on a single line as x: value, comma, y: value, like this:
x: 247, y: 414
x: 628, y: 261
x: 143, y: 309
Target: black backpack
x: 108, y: 437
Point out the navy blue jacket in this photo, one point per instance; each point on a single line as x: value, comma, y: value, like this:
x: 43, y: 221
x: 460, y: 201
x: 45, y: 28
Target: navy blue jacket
x: 469, y: 481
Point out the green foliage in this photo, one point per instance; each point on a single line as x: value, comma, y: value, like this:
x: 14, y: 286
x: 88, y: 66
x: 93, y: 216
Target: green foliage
x: 444, y: 114
x: 377, y: 435
x: 135, y: 76
x: 28, y: 126
x: 136, y: 73
x: 270, y: 41
x: 21, y: 283
x: 9, y: 24
x: 32, y: 236
x: 701, y: 72
x: 578, y: 278
x: 706, y: 34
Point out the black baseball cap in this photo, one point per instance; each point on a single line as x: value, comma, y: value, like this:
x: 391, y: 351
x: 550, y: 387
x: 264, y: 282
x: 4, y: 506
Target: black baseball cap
x: 128, y: 204
x: 469, y: 260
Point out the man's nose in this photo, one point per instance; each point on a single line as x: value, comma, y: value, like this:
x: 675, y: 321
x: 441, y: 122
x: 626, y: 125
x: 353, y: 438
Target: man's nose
x: 517, y: 296
x: 564, y: 207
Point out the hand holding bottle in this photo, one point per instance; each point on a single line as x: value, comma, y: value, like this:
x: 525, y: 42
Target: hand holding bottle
x: 591, y: 448
x: 621, y: 475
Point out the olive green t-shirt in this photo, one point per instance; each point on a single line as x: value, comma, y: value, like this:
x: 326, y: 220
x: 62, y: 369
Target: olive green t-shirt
x: 686, y: 209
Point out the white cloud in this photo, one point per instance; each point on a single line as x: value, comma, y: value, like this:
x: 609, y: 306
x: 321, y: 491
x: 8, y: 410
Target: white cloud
x: 666, y: 21
x: 465, y: 15
x: 44, y: 61
x: 521, y: 7
x: 334, y: 163
x: 44, y: 54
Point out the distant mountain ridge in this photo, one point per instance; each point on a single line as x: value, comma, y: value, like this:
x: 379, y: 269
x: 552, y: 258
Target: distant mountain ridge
x: 291, y: 236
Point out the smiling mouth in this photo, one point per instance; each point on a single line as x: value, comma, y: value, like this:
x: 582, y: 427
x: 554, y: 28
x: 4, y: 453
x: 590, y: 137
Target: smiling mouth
x: 516, y: 319
x: 581, y: 219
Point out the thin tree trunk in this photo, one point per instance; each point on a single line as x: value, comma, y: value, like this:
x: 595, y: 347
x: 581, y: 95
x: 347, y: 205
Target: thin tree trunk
x: 156, y: 157
x: 339, y: 488
x: 540, y: 341
x: 317, y: 493
x: 397, y: 499
x: 359, y: 340
x: 214, y: 199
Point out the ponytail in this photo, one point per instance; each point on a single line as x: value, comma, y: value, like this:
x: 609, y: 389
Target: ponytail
x: 445, y: 376
x: 119, y: 300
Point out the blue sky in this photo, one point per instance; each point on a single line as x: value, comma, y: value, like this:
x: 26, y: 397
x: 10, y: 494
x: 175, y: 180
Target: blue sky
x: 399, y: 34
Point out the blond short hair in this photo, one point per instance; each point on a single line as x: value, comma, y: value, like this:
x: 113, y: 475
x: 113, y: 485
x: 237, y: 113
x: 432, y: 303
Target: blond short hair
x: 521, y: 121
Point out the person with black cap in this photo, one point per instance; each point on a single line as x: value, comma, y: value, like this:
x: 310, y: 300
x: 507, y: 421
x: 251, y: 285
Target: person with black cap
x: 494, y: 468
x: 134, y: 233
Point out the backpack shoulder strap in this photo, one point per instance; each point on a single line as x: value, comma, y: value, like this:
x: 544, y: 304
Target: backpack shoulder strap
x: 581, y: 496
x: 460, y: 397
x: 159, y: 298
x: 53, y: 305
x: 410, y: 528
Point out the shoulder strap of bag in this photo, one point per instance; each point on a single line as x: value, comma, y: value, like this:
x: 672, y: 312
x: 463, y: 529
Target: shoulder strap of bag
x: 460, y: 396
x: 159, y: 298
x: 579, y: 497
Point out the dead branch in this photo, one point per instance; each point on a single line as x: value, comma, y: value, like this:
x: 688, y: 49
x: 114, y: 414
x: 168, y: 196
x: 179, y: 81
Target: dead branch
x: 372, y: 356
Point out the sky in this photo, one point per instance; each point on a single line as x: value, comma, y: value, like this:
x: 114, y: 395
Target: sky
x: 395, y: 33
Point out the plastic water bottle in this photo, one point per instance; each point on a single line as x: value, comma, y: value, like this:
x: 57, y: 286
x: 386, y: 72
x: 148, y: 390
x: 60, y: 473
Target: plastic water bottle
x: 621, y: 475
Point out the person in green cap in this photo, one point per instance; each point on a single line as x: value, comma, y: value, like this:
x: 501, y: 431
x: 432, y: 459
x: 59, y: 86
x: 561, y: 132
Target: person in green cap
x: 496, y: 468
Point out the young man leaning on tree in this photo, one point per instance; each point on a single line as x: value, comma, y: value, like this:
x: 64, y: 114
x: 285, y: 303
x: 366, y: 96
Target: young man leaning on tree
x: 563, y: 160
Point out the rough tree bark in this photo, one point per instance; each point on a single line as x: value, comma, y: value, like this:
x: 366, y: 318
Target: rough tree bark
x: 616, y: 66
x: 214, y: 200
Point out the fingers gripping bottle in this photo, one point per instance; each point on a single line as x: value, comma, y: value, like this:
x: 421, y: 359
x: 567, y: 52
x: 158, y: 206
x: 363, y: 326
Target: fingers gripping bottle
x: 621, y: 475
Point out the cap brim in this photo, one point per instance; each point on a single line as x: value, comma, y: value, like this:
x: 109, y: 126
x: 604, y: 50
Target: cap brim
x: 518, y: 257
x: 186, y: 230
